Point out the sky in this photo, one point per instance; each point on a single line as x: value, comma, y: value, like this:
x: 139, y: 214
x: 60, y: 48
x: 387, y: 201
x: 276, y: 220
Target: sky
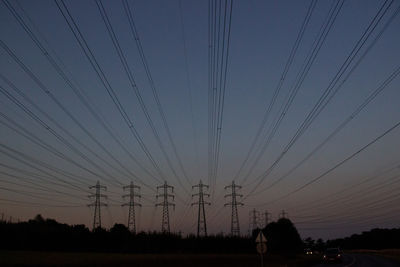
x: 322, y: 75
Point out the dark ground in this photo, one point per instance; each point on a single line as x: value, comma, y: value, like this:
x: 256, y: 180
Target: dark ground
x: 29, y: 258
x: 363, y: 260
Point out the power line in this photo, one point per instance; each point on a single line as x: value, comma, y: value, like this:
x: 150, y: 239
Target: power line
x: 308, y: 62
x: 152, y: 86
x: 35, y: 186
x: 326, y: 96
x: 353, y: 115
x: 35, y: 117
x: 189, y: 84
x: 348, y: 187
x: 338, y: 164
x: 132, y: 82
x: 76, y: 89
x: 31, y: 137
x: 218, y: 62
x: 27, y: 160
x: 278, y: 88
x: 96, y: 67
x: 77, y: 92
x: 361, y: 196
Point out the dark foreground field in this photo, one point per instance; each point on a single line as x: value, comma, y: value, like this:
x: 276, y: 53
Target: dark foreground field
x: 28, y: 258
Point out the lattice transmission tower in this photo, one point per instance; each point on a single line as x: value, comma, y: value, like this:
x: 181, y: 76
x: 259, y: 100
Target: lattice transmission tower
x: 132, y: 203
x: 283, y: 215
x: 165, y: 204
x: 201, y: 215
x: 267, y: 217
x: 254, y: 217
x: 97, y: 204
x: 235, y: 227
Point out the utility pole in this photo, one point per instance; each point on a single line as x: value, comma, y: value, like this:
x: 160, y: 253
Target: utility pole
x: 283, y: 214
x: 201, y: 215
x: 132, y: 203
x: 254, y: 217
x: 165, y: 195
x: 266, y: 218
x: 97, y: 204
x: 235, y: 227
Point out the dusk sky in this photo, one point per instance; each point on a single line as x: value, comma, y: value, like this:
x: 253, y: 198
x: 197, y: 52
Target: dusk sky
x: 322, y: 75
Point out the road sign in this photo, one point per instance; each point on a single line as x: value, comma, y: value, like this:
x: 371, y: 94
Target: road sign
x: 261, y: 245
x: 261, y: 248
x: 261, y: 238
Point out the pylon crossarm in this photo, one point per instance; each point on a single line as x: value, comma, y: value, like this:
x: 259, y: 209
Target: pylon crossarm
x: 133, y: 204
x: 130, y: 186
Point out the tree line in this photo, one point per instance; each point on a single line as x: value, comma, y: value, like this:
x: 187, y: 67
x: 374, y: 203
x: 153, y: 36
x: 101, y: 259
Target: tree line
x: 49, y: 235
x: 283, y: 238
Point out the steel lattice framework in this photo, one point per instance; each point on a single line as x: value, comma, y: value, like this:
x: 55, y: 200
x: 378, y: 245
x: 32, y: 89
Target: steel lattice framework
x: 97, y: 204
x: 132, y: 203
x: 165, y: 204
x: 235, y: 226
x: 201, y: 215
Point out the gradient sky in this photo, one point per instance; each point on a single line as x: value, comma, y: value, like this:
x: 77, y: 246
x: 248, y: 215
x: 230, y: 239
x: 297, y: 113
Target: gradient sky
x: 358, y: 195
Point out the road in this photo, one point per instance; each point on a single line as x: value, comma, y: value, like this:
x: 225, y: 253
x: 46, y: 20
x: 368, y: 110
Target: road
x: 362, y: 260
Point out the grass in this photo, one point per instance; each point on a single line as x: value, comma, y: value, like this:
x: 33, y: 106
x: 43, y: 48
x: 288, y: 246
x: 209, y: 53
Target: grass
x: 65, y: 259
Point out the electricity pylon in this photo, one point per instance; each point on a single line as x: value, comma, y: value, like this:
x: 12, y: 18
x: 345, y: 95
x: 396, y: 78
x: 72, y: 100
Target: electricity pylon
x: 254, y: 217
x: 201, y: 215
x: 266, y: 218
x: 283, y: 214
x: 97, y: 204
x: 165, y: 204
x: 132, y: 203
x: 235, y: 227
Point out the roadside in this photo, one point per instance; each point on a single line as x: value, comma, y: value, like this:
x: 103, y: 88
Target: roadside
x: 393, y: 254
